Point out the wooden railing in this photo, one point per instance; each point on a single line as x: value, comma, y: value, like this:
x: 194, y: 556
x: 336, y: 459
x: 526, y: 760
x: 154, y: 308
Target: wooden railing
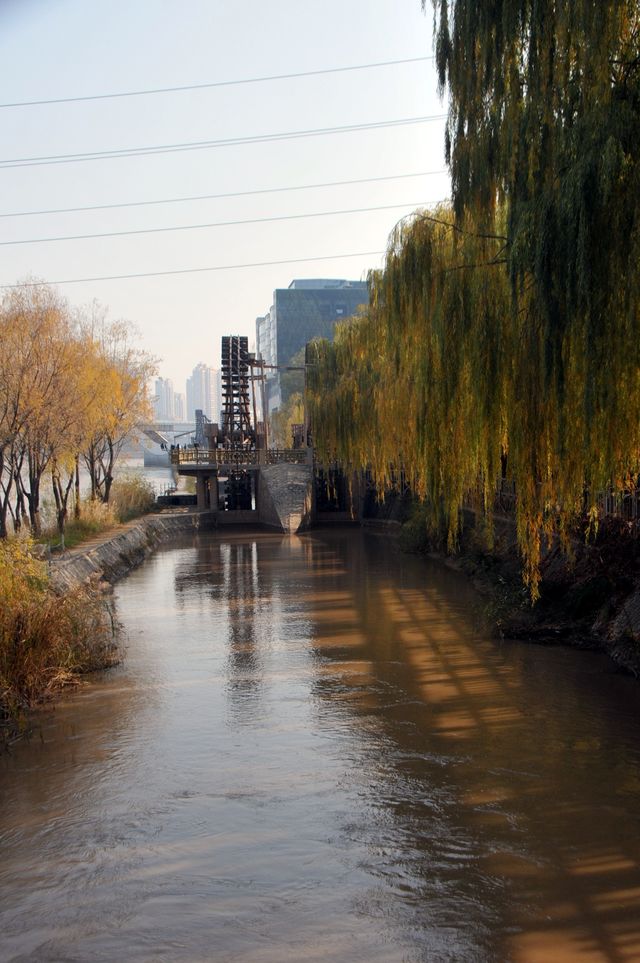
x: 219, y: 457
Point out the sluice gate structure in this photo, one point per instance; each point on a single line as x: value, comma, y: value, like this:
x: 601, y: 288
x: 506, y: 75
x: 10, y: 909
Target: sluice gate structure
x: 239, y: 478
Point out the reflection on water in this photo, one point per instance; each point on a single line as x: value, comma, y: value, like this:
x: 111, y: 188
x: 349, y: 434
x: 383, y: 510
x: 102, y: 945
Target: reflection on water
x: 311, y: 754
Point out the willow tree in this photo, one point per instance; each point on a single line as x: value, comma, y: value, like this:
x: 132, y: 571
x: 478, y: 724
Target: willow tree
x: 421, y: 383
x: 544, y: 121
x: 283, y: 419
x: 509, y: 326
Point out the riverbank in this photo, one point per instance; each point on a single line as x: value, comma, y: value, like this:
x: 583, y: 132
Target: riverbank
x: 56, y: 621
x: 589, y: 599
x: 47, y: 638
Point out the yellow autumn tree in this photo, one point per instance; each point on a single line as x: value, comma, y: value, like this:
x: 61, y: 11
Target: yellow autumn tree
x: 121, y: 401
x: 40, y: 347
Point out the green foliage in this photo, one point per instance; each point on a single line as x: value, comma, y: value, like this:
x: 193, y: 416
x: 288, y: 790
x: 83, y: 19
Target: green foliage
x: 414, y: 536
x: 510, y: 324
x: 45, y: 639
x: 421, y: 381
x: 291, y: 413
x: 544, y: 124
x: 292, y: 382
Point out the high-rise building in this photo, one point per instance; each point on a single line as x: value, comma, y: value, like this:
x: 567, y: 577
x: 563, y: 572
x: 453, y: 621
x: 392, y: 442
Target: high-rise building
x: 309, y: 308
x: 163, y: 400
x: 204, y: 392
x: 179, y: 407
x: 266, y: 338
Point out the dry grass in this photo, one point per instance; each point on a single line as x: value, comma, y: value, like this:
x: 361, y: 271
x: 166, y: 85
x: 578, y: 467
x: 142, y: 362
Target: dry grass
x: 95, y: 519
x: 46, y: 640
x: 131, y: 497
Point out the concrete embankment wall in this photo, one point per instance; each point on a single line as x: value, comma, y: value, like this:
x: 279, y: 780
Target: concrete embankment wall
x: 123, y: 550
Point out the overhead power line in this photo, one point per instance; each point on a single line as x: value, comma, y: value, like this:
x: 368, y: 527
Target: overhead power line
x: 217, y: 83
x: 209, y: 144
x: 200, y: 270
x: 198, y: 227
x: 210, y: 197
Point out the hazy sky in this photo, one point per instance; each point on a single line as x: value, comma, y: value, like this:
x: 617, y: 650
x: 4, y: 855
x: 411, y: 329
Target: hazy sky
x: 71, y: 48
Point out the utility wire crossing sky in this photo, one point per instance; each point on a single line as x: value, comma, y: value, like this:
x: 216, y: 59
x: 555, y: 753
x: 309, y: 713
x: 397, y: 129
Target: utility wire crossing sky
x: 351, y: 112
x: 216, y: 83
x: 209, y: 144
x: 207, y: 197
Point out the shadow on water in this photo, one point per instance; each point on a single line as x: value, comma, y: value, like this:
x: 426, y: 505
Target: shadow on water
x: 516, y: 765
x: 312, y: 752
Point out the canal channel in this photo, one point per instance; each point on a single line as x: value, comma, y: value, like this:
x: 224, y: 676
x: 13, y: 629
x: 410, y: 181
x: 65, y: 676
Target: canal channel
x: 312, y: 751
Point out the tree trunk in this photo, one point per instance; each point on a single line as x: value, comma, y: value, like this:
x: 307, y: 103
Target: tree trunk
x: 5, y: 493
x: 33, y: 501
x: 4, y: 509
x: 61, y: 493
x: 76, y: 509
x: 108, y: 474
x: 57, y: 495
x: 90, y: 460
x: 21, y: 511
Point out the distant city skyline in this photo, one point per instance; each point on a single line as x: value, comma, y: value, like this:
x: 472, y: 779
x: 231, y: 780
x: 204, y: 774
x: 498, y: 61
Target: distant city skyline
x: 203, y: 391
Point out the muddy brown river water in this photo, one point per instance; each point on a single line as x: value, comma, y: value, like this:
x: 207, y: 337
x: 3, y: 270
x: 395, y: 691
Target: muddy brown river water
x: 311, y: 752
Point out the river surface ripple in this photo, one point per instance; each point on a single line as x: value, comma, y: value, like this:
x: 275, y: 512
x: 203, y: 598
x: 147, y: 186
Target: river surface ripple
x: 311, y: 753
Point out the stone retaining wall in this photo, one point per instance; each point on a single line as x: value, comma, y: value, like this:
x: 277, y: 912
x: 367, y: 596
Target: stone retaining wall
x: 125, y: 549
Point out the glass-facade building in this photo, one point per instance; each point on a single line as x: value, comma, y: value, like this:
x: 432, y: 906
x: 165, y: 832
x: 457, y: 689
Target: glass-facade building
x: 307, y: 309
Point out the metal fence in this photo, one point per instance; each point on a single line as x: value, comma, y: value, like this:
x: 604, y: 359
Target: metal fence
x: 609, y: 504
x: 616, y: 504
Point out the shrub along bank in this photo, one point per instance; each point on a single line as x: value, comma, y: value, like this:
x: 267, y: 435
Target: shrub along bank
x: 51, y: 634
x: 46, y: 639
x: 57, y: 624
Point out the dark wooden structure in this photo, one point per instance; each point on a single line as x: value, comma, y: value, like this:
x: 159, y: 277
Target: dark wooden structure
x: 237, y: 430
